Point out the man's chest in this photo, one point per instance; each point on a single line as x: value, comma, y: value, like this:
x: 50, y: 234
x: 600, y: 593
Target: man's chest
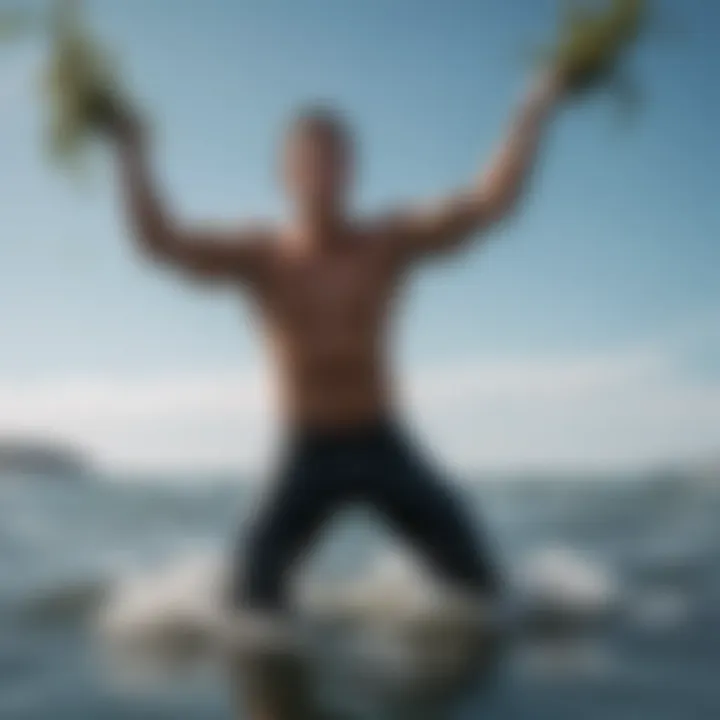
x: 329, y: 292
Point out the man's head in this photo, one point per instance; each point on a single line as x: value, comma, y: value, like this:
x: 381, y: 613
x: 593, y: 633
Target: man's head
x: 317, y: 161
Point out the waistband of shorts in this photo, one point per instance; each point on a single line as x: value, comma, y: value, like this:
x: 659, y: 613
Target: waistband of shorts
x: 378, y: 427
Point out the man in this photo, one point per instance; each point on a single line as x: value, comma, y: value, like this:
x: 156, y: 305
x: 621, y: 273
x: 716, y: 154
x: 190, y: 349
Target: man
x: 323, y: 288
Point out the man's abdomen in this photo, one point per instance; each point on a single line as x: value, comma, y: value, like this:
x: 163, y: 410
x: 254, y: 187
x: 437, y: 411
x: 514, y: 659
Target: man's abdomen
x: 340, y: 392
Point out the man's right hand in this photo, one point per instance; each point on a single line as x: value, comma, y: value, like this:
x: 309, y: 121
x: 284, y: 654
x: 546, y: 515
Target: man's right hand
x: 112, y: 116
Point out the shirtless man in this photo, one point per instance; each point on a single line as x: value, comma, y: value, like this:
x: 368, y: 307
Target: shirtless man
x: 324, y: 289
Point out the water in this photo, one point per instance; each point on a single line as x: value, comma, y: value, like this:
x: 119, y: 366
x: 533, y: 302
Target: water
x: 65, y: 545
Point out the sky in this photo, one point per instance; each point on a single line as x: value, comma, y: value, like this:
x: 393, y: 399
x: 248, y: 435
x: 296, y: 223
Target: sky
x: 585, y: 333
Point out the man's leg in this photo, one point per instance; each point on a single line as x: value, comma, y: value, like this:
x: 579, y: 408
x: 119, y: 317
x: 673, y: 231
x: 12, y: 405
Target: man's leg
x: 269, y: 685
x: 421, y: 506
x: 281, y: 532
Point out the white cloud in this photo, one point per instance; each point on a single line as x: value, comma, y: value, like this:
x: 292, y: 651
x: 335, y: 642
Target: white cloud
x: 624, y: 409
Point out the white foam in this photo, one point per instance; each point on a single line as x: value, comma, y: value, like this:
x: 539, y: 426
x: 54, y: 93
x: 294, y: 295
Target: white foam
x: 168, y: 612
x: 179, y: 611
x: 557, y: 580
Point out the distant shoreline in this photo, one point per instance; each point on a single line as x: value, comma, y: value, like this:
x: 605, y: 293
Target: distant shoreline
x: 34, y: 457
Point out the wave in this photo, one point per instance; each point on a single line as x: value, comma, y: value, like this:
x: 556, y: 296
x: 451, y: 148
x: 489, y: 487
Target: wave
x: 70, y: 603
x: 396, y: 611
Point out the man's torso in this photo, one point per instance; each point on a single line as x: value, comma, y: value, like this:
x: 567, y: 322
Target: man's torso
x: 325, y: 313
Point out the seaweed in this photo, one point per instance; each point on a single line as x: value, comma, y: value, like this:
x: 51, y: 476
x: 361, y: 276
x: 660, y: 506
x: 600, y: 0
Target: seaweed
x: 81, y: 83
x: 592, y: 40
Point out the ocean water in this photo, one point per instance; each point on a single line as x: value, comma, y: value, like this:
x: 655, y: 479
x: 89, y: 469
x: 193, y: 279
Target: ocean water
x: 648, y: 549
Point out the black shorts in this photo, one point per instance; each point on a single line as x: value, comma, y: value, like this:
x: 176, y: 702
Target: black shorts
x: 323, y: 473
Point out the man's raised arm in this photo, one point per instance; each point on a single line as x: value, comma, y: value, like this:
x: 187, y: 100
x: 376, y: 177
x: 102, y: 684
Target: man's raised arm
x: 448, y: 224
x: 206, y: 252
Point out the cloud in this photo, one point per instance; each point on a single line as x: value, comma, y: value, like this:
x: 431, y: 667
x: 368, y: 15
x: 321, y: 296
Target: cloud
x: 624, y: 409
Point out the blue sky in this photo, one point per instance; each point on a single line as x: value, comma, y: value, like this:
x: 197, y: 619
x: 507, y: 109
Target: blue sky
x: 586, y: 332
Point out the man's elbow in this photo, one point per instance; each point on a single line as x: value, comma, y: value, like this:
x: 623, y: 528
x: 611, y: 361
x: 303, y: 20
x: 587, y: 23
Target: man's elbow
x: 502, y: 206
x: 154, y: 242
